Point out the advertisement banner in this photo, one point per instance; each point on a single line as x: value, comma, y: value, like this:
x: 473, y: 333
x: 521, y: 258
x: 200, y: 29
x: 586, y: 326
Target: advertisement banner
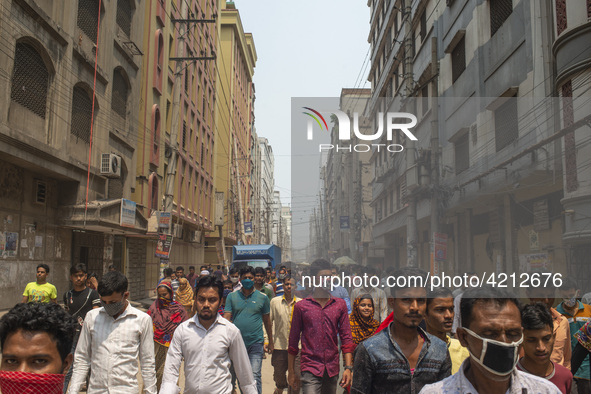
x: 127, y: 213
x: 163, y: 246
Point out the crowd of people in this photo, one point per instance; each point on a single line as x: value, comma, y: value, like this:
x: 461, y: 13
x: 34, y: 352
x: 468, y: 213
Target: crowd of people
x: 223, y: 324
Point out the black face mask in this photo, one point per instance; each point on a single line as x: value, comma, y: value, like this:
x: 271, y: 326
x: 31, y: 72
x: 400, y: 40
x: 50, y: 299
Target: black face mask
x: 498, y: 358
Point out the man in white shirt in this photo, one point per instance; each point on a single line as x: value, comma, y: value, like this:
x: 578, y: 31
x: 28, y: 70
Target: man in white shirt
x: 111, y: 341
x: 209, y: 344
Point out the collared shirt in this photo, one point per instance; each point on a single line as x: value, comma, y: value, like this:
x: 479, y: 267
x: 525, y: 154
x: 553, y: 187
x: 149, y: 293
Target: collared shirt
x: 380, y: 302
x: 341, y: 292
x: 457, y: 353
x: 281, y: 312
x: 582, y: 315
x: 208, y: 355
x: 110, y: 348
x: 247, y: 314
x: 380, y: 366
x: 561, y: 353
x: 520, y: 382
x: 318, y: 329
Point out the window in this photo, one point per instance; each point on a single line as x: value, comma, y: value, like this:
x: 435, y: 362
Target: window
x: 156, y: 121
x: 30, y: 80
x: 88, y: 13
x: 153, y: 186
x: 423, y: 33
x: 499, y: 12
x: 458, y: 59
x: 40, y: 192
x: 506, y: 130
x: 120, y: 93
x: 159, y: 61
x: 81, y: 114
x: 462, y: 152
x: 184, y: 137
x: 425, y: 98
x: 124, y: 15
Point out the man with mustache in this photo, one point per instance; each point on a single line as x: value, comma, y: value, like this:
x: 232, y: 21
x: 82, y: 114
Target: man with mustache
x: 439, y: 317
x: 403, y: 357
x: 538, y: 340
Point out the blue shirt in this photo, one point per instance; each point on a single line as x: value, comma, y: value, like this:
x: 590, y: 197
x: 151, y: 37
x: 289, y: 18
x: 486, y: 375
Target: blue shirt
x: 341, y: 292
x: 247, y: 314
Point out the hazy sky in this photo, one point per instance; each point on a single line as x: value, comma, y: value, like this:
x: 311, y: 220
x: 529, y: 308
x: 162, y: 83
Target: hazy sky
x: 305, y: 48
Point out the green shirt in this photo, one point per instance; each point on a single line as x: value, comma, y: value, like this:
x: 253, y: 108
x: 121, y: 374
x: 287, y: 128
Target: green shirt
x: 247, y: 314
x: 40, y: 293
x: 268, y: 292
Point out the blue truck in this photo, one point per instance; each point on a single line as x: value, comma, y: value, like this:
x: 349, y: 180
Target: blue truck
x: 256, y: 256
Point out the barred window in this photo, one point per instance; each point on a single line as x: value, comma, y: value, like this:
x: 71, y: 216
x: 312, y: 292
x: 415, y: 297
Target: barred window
x: 88, y: 14
x: 506, y: 130
x: 458, y: 59
x: 120, y: 93
x: 499, y: 12
x: 30, y: 79
x: 462, y: 151
x: 124, y: 15
x: 81, y: 114
x: 423, y: 23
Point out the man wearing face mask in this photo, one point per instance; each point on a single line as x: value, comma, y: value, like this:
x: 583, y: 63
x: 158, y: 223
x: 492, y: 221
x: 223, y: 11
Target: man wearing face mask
x: 235, y: 278
x: 112, y: 340
x: 280, y: 278
x: 577, y: 314
x: 249, y: 309
x: 36, y: 341
x: 491, y: 330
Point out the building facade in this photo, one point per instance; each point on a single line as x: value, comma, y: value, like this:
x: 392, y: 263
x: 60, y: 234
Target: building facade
x: 267, y: 188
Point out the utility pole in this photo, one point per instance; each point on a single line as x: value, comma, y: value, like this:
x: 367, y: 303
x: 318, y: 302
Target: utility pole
x: 434, y: 152
x: 411, y: 221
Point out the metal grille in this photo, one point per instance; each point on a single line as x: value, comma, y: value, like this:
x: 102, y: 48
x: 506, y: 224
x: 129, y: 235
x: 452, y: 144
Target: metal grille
x: 561, y: 23
x: 124, y: 16
x: 115, y: 188
x: 30, y: 80
x: 81, y: 114
x: 458, y: 59
x: 88, y: 14
x: 462, y: 153
x: 184, y: 138
x: 41, y: 192
x: 120, y: 93
x: 506, y: 130
x: 499, y: 12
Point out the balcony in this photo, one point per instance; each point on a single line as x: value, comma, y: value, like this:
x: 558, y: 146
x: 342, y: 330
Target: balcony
x: 572, y: 52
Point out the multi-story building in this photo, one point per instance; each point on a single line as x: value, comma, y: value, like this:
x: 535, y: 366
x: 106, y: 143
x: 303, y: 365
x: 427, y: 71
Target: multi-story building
x: 254, y: 212
x: 68, y: 140
x: 285, y: 231
x: 267, y: 188
x: 487, y: 170
x: 234, y: 123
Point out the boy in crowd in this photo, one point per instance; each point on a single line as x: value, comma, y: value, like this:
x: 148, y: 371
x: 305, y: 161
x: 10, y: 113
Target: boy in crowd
x: 40, y: 290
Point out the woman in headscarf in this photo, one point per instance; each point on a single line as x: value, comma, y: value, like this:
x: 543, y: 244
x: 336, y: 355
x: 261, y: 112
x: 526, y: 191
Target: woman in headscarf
x: 582, y: 348
x: 184, y: 296
x: 166, y: 316
x: 361, y: 318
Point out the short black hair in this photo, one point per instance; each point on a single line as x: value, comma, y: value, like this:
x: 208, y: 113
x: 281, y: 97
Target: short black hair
x: 233, y: 270
x: 179, y: 268
x: 112, y: 282
x: 485, y: 295
x: 536, y: 317
x: 111, y: 267
x: 208, y: 281
x: 228, y: 282
x: 44, y: 266
x: 438, y: 292
x: 260, y: 271
x: 203, y: 267
x: 37, y: 317
x: 92, y: 275
x: 78, y: 268
x: 319, y: 265
x: 167, y: 272
x: 246, y: 270
x: 567, y: 283
x: 191, y: 267
x: 413, y: 275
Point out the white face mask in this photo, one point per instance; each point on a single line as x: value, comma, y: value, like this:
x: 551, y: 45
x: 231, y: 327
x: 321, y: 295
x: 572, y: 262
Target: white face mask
x: 498, y: 358
x: 234, y: 279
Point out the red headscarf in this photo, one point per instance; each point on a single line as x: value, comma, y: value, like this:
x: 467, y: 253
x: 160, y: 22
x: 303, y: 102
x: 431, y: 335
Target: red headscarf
x: 166, y: 315
x: 16, y: 382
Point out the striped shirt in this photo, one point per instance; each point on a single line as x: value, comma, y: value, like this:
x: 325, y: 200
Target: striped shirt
x: 111, y: 348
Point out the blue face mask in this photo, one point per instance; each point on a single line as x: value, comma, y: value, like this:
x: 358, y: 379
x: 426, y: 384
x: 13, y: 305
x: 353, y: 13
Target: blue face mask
x: 226, y: 292
x: 247, y: 283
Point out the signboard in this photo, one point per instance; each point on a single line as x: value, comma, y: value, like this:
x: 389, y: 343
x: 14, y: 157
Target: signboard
x: 218, y: 214
x: 344, y: 220
x: 127, y: 213
x: 440, y: 246
x: 535, y: 262
x: 163, y: 219
x: 248, y: 228
x: 163, y: 246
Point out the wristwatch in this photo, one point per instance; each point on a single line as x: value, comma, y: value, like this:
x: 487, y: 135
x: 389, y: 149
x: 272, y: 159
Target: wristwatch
x: 348, y: 367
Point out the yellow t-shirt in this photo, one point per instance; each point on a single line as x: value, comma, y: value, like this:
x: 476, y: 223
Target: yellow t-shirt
x: 40, y: 293
x: 457, y: 353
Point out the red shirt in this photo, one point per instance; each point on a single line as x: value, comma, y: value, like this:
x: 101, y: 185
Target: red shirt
x: 319, y: 329
x: 561, y: 377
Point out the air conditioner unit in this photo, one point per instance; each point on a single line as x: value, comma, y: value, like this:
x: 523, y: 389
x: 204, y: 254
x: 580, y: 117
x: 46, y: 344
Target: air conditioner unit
x: 196, y: 237
x: 110, y: 165
x: 178, y: 231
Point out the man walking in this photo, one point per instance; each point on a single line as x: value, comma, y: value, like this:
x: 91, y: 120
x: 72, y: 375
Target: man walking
x: 209, y: 344
x: 319, y: 321
x: 403, y: 357
x: 78, y: 302
x: 41, y: 290
x: 281, y: 313
x: 248, y: 309
x: 112, y: 340
x: 180, y: 272
x: 259, y: 283
x: 192, y: 277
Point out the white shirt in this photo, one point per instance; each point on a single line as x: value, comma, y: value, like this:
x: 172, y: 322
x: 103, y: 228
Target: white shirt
x: 458, y: 383
x: 208, y: 355
x: 110, y: 348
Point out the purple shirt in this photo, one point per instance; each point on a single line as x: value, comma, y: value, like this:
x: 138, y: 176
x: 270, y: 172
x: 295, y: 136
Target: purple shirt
x: 319, y: 328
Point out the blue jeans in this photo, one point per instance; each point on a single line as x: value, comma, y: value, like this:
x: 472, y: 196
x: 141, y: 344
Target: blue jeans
x: 255, y: 355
